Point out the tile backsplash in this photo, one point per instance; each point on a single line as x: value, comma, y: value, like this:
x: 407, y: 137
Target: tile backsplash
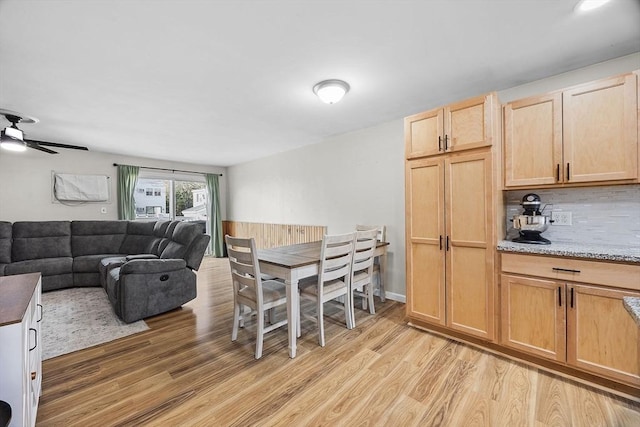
x: 600, y: 215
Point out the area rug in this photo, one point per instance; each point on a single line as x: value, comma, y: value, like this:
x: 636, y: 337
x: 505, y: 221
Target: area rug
x: 79, y: 318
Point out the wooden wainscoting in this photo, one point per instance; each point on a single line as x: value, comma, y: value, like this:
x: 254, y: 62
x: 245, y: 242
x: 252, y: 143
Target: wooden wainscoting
x: 273, y: 235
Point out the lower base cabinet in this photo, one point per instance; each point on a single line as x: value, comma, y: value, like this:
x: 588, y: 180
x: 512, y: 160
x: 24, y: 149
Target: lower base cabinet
x: 20, y: 346
x: 581, y: 325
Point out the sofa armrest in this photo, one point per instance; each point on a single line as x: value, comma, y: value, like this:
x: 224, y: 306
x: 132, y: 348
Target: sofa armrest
x: 142, y: 266
x: 140, y: 256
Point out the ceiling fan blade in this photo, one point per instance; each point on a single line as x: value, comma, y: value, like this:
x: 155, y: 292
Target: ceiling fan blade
x: 53, y: 144
x: 31, y: 144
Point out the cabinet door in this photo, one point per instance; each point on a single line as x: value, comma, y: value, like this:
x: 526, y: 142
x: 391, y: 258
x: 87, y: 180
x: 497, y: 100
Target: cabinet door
x: 533, y: 316
x: 425, y: 233
x: 469, y: 253
x: 533, y: 141
x: 469, y: 124
x: 601, y: 335
x: 423, y: 134
x: 601, y: 131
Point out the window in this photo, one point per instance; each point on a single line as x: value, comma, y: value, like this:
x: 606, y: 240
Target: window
x: 170, y: 198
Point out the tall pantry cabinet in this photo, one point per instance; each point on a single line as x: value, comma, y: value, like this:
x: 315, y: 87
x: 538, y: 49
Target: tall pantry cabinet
x: 453, y: 212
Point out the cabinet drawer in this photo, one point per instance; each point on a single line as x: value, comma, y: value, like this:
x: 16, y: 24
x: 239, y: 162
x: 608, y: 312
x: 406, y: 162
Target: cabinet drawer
x: 574, y: 270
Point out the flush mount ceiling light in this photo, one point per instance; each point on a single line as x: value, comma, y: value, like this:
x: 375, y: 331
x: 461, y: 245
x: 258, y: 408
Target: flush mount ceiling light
x: 587, y: 5
x: 331, y: 91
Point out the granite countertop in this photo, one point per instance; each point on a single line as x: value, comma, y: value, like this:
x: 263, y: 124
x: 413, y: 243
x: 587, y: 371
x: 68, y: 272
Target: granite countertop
x: 587, y: 251
x: 632, y: 304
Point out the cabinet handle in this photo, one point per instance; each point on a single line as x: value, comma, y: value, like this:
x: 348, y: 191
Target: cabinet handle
x: 41, y: 308
x: 439, y: 143
x: 446, y: 140
x: 440, y: 242
x: 568, y: 174
x: 558, y: 172
x: 560, y: 296
x: 565, y: 270
x: 571, y: 297
x: 35, y: 339
x: 447, y: 243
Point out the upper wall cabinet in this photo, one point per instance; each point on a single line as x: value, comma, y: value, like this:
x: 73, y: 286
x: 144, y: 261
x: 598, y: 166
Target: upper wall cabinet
x: 456, y: 127
x: 584, y: 134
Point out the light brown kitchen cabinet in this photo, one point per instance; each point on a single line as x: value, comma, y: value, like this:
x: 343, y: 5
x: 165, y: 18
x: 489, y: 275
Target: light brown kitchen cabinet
x: 559, y: 317
x: 460, y: 126
x: 583, y: 134
x: 533, y: 141
x: 534, y: 316
x: 451, y: 207
x: 468, y: 248
x: 425, y: 217
x: 601, y: 335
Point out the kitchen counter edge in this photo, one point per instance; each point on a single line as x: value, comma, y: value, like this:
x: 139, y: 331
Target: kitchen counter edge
x: 574, y: 250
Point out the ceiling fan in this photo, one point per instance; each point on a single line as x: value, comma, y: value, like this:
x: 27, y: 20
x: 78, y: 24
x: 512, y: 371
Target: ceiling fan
x: 12, y: 138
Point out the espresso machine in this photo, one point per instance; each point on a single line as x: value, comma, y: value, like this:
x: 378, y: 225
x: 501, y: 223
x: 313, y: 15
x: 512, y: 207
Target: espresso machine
x: 531, y: 223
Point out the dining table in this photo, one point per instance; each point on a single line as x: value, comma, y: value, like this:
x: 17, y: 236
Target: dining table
x: 292, y: 263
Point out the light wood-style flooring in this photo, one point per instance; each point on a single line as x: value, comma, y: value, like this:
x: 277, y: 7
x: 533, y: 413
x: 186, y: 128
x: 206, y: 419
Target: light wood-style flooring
x: 186, y: 371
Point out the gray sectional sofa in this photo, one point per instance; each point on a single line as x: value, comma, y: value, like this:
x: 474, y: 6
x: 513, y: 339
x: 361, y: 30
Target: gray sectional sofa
x: 146, y: 268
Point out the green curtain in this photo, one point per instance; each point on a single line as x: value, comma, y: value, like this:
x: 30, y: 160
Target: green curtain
x: 215, y: 222
x: 127, y: 178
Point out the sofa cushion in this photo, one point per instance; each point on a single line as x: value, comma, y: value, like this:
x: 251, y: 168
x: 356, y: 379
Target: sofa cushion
x: 166, y: 239
x: 91, y: 263
x: 183, y: 236
x: 196, y: 251
x: 159, y: 231
x: 97, y: 237
x: 107, y: 264
x: 41, y: 239
x: 46, y: 266
x: 139, y: 238
x: 5, y: 242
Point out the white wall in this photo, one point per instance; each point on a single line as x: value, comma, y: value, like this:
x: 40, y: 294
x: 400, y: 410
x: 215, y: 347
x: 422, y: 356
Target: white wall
x: 355, y: 178
x: 358, y: 177
x: 25, y: 183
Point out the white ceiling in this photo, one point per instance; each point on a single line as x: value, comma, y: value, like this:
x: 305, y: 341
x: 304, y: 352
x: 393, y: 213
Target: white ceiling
x: 224, y: 82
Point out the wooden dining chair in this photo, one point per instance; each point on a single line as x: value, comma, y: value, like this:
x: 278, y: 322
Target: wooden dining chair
x: 251, y: 291
x: 333, y: 280
x: 362, y: 270
x: 382, y: 237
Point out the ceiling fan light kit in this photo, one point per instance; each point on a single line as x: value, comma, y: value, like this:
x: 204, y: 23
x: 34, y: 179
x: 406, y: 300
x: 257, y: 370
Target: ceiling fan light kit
x: 331, y: 91
x: 12, y: 138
